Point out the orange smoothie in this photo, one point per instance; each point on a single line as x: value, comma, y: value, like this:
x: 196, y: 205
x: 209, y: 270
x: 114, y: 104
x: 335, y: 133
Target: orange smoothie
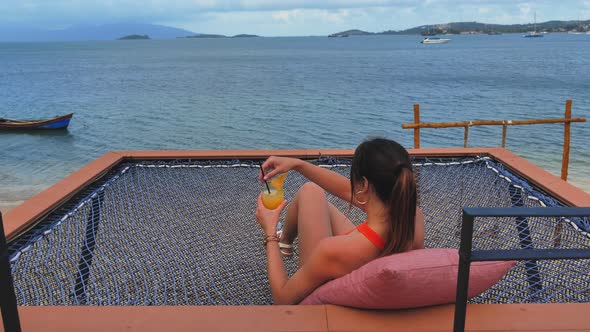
x: 276, y: 196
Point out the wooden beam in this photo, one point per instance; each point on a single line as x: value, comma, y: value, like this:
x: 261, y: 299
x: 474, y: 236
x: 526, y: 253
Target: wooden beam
x: 416, y: 130
x: 289, y: 318
x: 466, y: 136
x: 566, y: 140
x: 489, y: 123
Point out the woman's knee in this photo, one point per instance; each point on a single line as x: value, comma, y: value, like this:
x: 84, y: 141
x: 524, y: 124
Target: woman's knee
x: 310, y: 188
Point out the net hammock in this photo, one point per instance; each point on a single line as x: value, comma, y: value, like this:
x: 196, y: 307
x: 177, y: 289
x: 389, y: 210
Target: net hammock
x: 183, y: 233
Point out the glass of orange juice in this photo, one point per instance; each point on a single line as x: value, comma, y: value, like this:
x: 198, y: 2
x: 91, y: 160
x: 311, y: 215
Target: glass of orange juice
x: 271, y: 200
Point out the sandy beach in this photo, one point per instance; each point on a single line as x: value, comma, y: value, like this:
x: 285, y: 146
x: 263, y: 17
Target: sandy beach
x: 6, y: 206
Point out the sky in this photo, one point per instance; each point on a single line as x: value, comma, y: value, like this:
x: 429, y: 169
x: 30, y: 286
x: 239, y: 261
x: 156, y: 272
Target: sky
x: 284, y: 17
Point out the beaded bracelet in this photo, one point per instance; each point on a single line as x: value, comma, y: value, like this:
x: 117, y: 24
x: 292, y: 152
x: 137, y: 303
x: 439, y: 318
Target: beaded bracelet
x: 271, y: 238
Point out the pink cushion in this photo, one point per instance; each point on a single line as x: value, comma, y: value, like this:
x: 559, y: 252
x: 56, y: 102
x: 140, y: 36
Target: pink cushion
x: 412, y: 279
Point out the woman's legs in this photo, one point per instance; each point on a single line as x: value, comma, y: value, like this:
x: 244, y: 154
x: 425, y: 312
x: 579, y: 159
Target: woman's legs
x: 312, y: 217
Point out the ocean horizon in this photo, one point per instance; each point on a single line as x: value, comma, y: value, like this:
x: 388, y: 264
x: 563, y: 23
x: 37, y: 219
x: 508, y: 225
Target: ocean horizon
x: 286, y: 93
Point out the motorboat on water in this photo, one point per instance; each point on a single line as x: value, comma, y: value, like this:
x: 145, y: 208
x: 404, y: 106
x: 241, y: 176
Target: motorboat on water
x: 435, y: 40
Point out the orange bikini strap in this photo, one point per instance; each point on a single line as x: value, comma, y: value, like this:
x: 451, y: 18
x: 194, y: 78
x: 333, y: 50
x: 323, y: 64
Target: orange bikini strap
x: 371, y: 235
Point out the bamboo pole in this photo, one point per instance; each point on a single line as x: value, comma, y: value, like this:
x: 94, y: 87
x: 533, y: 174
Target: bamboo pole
x: 416, y: 130
x: 466, y: 136
x: 565, y: 160
x: 504, y: 130
x: 489, y: 123
x: 566, y: 140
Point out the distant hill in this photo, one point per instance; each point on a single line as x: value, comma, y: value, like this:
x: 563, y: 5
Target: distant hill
x: 92, y: 32
x: 348, y: 33
x: 476, y: 27
x: 135, y: 37
x: 245, y: 36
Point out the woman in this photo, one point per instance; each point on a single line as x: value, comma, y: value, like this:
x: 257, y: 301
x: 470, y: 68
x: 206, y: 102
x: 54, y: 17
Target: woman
x: 381, y: 184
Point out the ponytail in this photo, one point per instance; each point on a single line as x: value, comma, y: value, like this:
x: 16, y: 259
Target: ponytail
x: 388, y: 168
x: 402, y: 211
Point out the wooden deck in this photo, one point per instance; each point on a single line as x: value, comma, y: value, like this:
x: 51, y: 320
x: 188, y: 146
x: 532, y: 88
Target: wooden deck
x: 480, y: 317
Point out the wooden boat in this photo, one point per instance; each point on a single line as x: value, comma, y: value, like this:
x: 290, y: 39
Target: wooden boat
x: 60, y: 122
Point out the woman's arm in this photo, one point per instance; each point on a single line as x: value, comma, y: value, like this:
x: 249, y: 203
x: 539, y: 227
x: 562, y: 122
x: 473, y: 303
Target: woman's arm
x: 332, y: 182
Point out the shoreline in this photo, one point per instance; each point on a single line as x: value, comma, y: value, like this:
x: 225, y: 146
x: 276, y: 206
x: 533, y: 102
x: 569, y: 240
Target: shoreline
x: 7, y: 205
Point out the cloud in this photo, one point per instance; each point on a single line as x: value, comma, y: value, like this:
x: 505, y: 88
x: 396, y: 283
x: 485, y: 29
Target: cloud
x: 295, y: 22
x: 179, y: 7
x: 63, y: 13
x: 292, y: 17
x: 328, y: 16
x: 525, y: 9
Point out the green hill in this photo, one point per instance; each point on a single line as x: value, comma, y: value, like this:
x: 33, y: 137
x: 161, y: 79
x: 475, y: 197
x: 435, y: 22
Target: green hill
x: 348, y: 33
x: 135, y: 37
x: 476, y: 27
x: 245, y: 36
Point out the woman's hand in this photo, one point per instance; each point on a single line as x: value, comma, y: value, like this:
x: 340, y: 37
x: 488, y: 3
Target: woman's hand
x: 268, y: 219
x: 278, y: 165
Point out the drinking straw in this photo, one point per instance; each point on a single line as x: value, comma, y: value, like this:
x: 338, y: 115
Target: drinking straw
x: 262, y: 170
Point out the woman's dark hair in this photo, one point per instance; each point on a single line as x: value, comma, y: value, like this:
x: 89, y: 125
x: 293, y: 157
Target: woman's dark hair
x: 388, y: 168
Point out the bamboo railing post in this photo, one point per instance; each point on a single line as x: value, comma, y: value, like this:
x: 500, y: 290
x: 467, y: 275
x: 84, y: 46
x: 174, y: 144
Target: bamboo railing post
x: 566, y: 140
x: 504, y: 130
x: 416, y: 130
x: 466, y: 136
x: 567, y: 121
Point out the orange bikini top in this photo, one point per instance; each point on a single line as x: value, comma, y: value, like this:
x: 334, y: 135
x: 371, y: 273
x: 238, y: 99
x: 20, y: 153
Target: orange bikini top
x: 370, y: 234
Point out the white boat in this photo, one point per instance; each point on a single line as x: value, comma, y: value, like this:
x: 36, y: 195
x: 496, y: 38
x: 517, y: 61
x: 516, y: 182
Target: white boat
x: 434, y: 40
x: 534, y: 33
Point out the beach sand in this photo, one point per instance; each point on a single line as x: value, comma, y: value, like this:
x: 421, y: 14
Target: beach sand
x: 6, y: 206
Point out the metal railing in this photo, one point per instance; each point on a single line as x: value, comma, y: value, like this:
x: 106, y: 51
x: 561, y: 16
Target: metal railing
x: 467, y: 255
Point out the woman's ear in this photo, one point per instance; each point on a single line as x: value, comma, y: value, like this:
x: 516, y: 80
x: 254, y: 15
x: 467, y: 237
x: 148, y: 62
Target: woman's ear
x: 361, y: 192
x: 364, y: 185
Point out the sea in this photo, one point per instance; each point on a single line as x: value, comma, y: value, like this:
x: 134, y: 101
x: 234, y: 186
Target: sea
x: 286, y: 93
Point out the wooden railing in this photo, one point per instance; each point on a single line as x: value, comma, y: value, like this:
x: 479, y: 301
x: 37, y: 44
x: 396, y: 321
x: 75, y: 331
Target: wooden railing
x: 566, y: 120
